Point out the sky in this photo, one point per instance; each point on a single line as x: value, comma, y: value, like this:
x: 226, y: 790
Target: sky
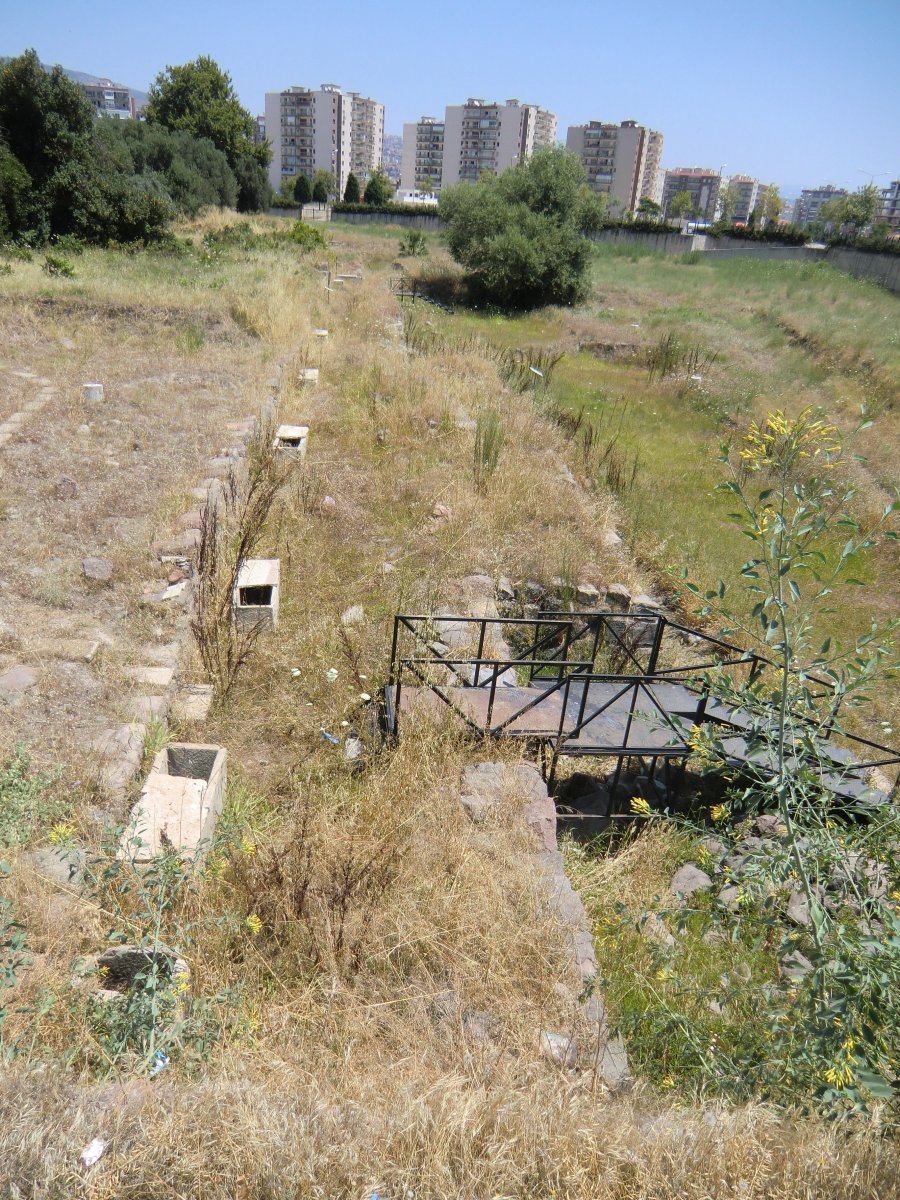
x: 800, y: 94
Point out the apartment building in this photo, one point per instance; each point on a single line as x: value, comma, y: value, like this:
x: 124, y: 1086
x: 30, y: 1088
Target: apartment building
x: 889, y: 209
x: 703, y: 186
x: 747, y: 195
x: 621, y: 160
x: 110, y: 99
x: 481, y: 136
x: 259, y: 131
x: 807, y: 207
x: 313, y: 129
x: 366, y: 136
x: 423, y: 156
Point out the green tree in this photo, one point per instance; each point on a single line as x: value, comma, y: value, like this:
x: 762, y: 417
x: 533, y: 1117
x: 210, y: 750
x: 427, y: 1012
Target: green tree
x: 520, y: 235
x: 45, y: 120
x: 851, y: 214
x: 199, y: 97
x: 351, y: 191
x: 772, y: 205
x: 324, y: 186
x: 15, y: 195
x: 254, y: 192
x: 379, y: 189
x: 729, y: 199
x: 681, y: 205
x: 648, y: 208
x: 302, y: 190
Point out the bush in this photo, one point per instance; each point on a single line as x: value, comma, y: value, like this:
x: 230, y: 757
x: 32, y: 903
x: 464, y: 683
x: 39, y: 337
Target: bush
x: 787, y: 235
x: 520, y: 235
x: 392, y: 208
x: 307, y: 237
x: 254, y: 191
x: 15, y: 194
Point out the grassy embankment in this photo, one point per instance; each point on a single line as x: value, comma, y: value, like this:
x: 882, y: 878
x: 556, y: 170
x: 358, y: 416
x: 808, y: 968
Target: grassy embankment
x: 338, y: 907
x: 783, y: 336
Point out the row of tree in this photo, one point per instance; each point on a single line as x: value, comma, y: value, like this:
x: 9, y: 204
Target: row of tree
x: 63, y: 172
x: 300, y: 189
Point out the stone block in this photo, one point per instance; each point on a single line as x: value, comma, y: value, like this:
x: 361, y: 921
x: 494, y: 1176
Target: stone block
x: 192, y: 702
x: 291, y: 441
x: 618, y: 596
x: 320, y: 333
x: 180, y: 802
x: 16, y: 680
x: 308, y: 375
x: 92, y: 392
x: 156, y: 677
x: 587, y: 596
x: 689, y: 879
x: 98, y: 569
x: 257, y: 594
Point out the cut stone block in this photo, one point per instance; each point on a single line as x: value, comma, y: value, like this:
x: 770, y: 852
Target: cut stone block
x: 67, y: 649
x: 320, y: 333
x: 291, y: 440
x: 16, y: 680
x: 98, y: 569
x: 192, y: 702
x: 257, y: 594
x: 157, y: 677
x: 92, y: 391
x: 308, y: 375
x: 180, y: 802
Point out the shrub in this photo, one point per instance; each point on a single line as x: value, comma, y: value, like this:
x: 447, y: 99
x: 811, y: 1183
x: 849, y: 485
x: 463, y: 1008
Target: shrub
x: 254, y: 191
x: 58, y: 266
x: 379, y: 189
x: 15, y: 194
x: 307, y: 237
x: 413, y: 245
x: 520, y: 235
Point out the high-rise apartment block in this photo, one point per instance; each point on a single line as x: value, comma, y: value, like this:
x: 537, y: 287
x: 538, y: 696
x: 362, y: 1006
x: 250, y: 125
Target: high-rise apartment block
x: 806, y: 209
x: 481, y: 136
x: 323, y: 130
x: 747, y: 195
x: 423, y: 155
x: 889, y: 209
x: 473, y: 137
x: 701, y: 184
x: 620, y: 160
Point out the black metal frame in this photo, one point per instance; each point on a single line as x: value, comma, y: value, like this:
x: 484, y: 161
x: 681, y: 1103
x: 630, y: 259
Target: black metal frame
x: 560, y: 632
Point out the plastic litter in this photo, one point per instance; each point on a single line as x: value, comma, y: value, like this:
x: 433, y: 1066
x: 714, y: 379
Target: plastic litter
x: 536, y: 371
x: 160, y: 1062
x: 92, y: 1152
x: 365, y: 697
x: 329, y: 737
x: 295, y: 671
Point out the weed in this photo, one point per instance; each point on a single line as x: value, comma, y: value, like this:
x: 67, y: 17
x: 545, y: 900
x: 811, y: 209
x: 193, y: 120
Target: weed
x: 28, y: 803
x: 489, y: 439
x: 58, y: 267
x: 191, y: 337
x: 413, y: 245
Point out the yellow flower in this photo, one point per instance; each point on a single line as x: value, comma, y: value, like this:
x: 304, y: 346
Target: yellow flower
x: 248, y: 846
x: 63, y: 832
x: 663, y: 974
x: 640, y: 807
x: 253, y: 923
x: 667, y: 1082
x: 718, y: 813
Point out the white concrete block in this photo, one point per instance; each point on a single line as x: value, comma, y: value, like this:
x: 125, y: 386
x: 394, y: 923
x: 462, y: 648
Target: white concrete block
x: 180, y: 802
x: 308, y: 375
x: 92, y: 391
x: 291, y: 440
x: 257, y: 594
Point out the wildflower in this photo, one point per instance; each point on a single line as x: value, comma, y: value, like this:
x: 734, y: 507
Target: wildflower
x: 718, y: 813
x: 61, y: 833
x: 663, y: 974
x: 667, y: 1081
x: 253, y: 923
x: 640, y: 807
x: 248, y: 846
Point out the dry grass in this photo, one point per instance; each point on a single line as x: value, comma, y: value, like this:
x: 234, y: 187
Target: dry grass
x: 327, y: 1058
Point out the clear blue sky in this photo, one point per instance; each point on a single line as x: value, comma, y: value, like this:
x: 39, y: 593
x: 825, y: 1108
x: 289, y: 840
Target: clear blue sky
x: 802, y: 93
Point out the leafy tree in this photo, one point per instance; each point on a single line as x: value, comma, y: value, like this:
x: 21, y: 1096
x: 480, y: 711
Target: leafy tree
x: 320, y: 192
x: 379, y: 189
x: 520, y: 235
x: 302, y: 190
x: 254, y: 192
x: 648, y: 208
x: 729, y: 199
x: 327, y: 184
x: 681, y: 205
x: 852, y: 213
x: 772, y: 205
x: 351, y: 191
x: 15, y: 195
x: 45, y: 119
x: 189, y: 171
x: 199, y: 97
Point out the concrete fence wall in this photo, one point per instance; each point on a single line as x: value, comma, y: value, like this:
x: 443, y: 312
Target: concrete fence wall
x: 879, y: 268
x: 424, y: 220
x: 662, y: 243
